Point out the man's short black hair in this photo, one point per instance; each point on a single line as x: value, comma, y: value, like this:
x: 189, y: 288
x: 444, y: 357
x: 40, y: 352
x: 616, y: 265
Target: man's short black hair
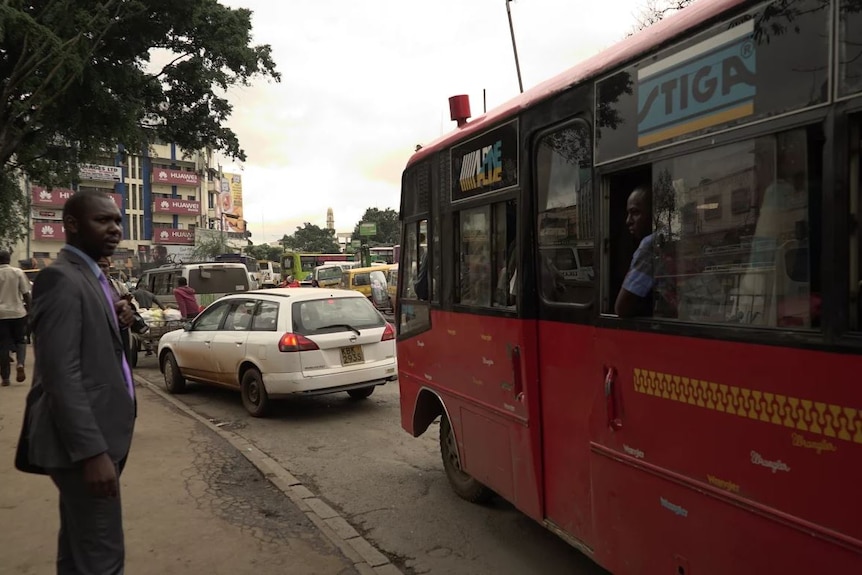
x: 80, y: 202
x: 181, y: 281
x: 5, y: 257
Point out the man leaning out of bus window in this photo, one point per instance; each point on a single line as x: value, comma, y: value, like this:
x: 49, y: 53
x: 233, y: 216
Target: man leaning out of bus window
x: 635, y: 297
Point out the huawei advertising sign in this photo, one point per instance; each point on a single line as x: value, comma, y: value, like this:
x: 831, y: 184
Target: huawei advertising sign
x: 44, y: 197
x: 57, y: 197
x: 177, y: 206
x: 49, y: 231
x: 175, y: 177
x: 173, y: 236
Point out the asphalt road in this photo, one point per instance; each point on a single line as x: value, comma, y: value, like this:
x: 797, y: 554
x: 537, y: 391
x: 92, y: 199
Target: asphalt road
x: 388, y: 485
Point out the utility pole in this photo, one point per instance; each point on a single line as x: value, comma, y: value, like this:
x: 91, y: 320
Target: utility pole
x: 514, y: 46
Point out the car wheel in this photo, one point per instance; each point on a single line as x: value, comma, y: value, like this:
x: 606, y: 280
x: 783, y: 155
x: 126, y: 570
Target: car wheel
x: 361, y: 393
x: 254, y: 396
x: 174, y: 380
x: 464, y: 485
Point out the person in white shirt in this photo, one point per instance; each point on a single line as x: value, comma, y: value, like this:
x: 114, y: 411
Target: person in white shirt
x: 14, y: 302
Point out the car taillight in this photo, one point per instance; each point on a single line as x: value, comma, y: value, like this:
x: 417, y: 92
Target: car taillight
x: 388, y: 332
x: 296, y: 342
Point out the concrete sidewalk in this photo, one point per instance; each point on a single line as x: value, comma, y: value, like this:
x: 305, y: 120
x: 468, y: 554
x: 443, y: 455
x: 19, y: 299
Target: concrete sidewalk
x: 191, y: 504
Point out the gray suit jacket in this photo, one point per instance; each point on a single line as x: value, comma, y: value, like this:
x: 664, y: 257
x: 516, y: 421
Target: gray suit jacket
x: 79, y: 405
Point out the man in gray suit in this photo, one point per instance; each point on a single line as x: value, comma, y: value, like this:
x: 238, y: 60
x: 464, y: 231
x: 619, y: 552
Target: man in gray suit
x: 81, y: 409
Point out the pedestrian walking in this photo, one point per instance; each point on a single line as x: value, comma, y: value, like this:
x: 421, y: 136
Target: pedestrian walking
x: 147, y: 299
x: 14, y: 302
x: 186, y: 300
x: 80, y: 412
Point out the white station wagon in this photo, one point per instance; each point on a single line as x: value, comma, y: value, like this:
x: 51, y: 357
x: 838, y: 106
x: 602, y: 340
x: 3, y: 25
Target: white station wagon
x: 280, y: 342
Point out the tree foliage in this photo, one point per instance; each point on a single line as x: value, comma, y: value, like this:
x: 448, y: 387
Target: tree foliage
x: 265, y: 252
x: 209, y: 245
x: 388, y: 227
x: 14, y: 211
x: 310, y: 238
x: 655, y: 10
x: 79, y: 79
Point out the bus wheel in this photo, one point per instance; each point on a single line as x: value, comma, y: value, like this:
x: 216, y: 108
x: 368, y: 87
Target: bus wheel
x: 463, y: 484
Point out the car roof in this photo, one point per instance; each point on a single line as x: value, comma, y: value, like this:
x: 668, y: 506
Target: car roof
x: 175, y: 267
x: 300, y: 293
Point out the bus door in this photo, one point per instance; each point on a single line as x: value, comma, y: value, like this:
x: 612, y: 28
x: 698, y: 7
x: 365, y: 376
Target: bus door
x: 569, y: 377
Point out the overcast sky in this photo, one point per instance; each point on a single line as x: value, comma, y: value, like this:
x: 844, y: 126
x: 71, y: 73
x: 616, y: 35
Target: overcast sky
x: 364, y: 82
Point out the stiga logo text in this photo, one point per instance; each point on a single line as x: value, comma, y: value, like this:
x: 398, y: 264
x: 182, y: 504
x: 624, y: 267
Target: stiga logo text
x: 708, y: 84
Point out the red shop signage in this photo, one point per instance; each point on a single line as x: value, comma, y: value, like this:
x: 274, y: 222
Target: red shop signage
x: 177, y: 206
x: 57, y: 197
x: 173, y: 236
x: 43, y: 197
x: 175, y: 177
x: 49, y: 231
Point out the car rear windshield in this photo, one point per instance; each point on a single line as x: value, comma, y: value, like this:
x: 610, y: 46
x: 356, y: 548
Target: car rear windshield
x: 220, y: 280
x: 331, y: 315
x: 332, y: 273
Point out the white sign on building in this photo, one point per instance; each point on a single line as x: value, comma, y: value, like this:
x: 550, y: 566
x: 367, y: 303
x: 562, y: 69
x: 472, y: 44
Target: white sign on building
x: 46, y: 214
x: 100, y: 173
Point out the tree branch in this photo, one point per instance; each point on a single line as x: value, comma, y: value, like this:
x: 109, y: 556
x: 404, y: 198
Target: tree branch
x: 172, y: 62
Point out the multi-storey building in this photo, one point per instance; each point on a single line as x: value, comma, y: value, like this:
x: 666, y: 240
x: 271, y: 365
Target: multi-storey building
x: 165, y: 193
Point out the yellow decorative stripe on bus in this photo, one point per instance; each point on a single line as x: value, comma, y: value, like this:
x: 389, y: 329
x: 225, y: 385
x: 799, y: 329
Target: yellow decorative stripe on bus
x: 801, y: 414
x: 697, y: 124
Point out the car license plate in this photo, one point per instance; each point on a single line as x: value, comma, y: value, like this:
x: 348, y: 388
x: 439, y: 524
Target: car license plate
x: 352, y: 354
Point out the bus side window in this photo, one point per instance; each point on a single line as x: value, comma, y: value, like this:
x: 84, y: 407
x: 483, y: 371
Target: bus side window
x: 505, y: 254
x: 417, y: 283
x: 415, y: 290
x: 734, y: 234
x: 486, y: 246
x: 474, y: 248
x: 565, y: 215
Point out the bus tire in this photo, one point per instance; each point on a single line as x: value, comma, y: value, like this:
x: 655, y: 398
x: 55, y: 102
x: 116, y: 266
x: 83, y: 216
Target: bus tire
x: 464, y: 485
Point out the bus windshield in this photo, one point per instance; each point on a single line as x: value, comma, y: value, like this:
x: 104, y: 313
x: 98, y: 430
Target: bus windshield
x: 328, y: 273
x: 249, y: 263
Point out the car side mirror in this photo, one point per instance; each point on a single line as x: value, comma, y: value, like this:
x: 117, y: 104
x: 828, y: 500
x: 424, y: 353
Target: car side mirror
x: 187, y: 326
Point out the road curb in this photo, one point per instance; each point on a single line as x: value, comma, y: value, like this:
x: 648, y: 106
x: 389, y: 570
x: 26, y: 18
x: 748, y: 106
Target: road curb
x: 367, y: 559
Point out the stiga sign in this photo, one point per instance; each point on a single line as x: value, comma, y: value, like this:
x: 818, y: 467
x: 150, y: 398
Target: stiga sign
x: 708, y: 84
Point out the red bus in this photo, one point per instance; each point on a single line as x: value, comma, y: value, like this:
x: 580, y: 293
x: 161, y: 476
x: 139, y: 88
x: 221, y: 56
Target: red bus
x: 703, y: 179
